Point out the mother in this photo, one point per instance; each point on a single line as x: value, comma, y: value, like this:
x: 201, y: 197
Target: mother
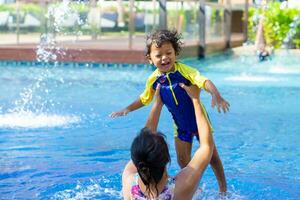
x: 145, y: 175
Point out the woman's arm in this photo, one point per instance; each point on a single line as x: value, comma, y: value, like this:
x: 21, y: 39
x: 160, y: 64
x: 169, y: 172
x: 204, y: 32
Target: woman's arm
x: 127, y: 177
x: 153, y: 118
x: 152, y: 122
x: 189, y: 177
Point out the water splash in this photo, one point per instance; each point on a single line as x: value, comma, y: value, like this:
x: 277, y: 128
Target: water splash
x: 59, y: 13
x: 34, y: 97
x: 48, y: 49
x: 35, y: 108
x: 244, y: 77
x: 32, y: 120
x: 206, y: 193
x: 285, y: 70
x: 92, y: 190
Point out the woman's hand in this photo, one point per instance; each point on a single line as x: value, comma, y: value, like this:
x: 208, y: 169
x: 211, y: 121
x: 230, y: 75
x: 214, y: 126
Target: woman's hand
x: 157, y: 95
x: 193, y: 91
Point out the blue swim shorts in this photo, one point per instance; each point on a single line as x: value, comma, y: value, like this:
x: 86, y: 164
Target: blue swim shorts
x: 186, y: 136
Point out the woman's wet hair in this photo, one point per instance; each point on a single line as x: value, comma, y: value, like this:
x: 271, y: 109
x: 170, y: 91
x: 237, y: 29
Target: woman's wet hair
x: 150, y: 155
x: 159, y: 37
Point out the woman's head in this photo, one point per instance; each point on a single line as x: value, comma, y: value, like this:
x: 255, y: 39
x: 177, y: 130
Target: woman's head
x: 162, y: 46
x: 150, y: 155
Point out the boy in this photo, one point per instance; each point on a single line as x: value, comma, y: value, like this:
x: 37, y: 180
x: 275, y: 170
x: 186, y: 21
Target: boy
x: 162, y: 48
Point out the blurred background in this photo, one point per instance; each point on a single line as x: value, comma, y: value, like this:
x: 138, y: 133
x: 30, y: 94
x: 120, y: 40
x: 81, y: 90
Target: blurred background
x: 212, y: 25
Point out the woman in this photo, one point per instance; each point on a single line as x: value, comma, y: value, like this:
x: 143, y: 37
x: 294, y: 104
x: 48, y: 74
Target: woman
x: 146, y: 177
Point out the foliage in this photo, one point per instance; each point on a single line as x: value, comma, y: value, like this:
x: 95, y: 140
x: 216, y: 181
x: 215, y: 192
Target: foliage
x: 277, y: 24
x: 32, y: 8
x: 216, y: 15
x: 6, y: 7
x: 80, y: 7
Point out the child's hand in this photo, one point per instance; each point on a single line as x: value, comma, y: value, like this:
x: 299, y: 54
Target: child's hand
x: 220, y: 102
x: 216, y: 97
x: 119, y: 113
x: 193, y: 91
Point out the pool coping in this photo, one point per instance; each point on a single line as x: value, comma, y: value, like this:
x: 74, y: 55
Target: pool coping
x: 112, y: 50
x: 237, y: 51
x: 35, y: 63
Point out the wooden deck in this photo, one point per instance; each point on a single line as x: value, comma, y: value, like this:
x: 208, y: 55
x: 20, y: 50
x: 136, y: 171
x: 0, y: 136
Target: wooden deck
x: 107, y: 50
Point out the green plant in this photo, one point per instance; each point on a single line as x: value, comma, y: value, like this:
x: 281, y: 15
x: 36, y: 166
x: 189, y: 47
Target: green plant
x: 253, y: 20
x: 6, y: 7
x: 80, y: 7
x: 35, y: 9
x: 297, y: 40
x: 277, y: 24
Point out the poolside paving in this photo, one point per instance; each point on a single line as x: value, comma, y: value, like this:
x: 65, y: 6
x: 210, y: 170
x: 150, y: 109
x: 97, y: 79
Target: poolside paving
x: 107, y: 49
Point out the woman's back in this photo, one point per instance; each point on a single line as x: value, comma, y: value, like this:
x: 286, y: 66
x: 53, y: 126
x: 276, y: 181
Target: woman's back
x: 167, y: 192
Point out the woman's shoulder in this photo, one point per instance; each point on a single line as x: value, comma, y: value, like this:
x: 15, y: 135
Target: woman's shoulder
x: 129, y: 182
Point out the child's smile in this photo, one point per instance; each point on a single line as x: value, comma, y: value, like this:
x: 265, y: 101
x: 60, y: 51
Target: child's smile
x: 165, y: 66
x: 163, y: 57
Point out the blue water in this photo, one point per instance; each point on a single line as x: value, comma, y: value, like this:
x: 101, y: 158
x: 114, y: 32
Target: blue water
x: 57, y: 141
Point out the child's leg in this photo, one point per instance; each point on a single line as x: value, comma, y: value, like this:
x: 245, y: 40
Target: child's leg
x: 218, y: 170
x: 183, y: 151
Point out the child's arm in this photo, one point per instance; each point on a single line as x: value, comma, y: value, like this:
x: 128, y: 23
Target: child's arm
x: 197, y: 79
x: 144, y: 99
x: 217, y: 99
x: 132, y: 107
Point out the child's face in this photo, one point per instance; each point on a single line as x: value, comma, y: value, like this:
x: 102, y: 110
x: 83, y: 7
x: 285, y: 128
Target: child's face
x: 163, y: 57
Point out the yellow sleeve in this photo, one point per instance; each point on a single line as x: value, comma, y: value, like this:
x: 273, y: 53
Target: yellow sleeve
x: 192, y: 74
x: 147, y: 96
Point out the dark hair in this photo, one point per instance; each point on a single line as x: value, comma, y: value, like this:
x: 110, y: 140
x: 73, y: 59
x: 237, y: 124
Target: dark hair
x: 150, y: 155
x: 158, y: 37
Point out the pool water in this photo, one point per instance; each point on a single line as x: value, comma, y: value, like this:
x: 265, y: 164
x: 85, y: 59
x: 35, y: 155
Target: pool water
x: 57, y: 141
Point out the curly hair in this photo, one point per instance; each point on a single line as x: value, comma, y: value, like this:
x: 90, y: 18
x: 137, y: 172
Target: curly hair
x: 159, y: 37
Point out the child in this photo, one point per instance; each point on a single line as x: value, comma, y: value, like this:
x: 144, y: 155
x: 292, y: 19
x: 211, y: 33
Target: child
x: 162, y: 48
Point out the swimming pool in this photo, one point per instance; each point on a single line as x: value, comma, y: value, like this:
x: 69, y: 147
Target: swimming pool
x: 57, y: 141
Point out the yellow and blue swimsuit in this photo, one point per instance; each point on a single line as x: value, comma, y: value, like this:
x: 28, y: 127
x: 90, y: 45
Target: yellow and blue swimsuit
x: 176, y: 99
